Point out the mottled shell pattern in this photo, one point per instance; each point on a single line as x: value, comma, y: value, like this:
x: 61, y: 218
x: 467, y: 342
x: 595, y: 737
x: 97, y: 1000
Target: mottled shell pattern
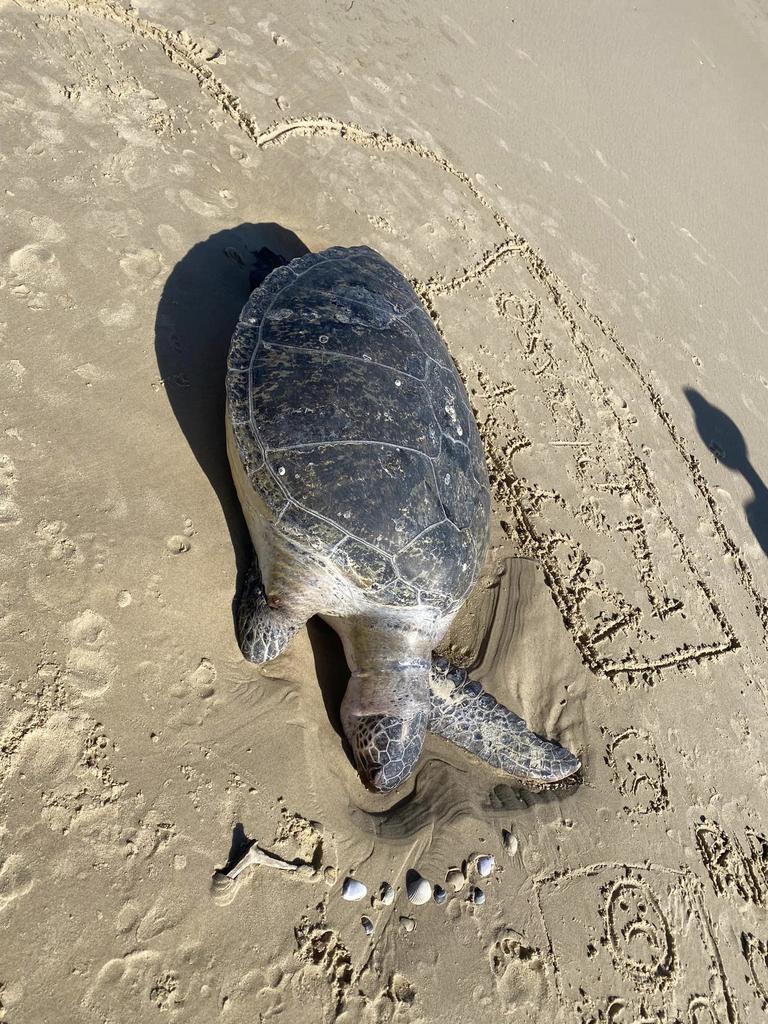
x: 355, y: 429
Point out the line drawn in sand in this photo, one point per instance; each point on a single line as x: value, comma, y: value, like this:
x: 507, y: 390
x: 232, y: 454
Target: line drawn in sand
x: 620, y: 522
x: 735, y: 868
x: 643, y: 932
x: 755, y: 952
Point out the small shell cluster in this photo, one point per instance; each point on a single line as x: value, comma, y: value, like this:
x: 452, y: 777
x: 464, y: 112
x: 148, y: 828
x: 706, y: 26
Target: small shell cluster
x: 420, y: 890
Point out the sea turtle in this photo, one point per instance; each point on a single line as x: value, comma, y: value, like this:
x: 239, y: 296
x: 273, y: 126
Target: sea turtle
x: 362, y: 477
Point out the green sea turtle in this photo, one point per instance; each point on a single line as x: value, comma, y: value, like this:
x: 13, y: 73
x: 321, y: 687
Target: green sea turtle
x: 362, y: 477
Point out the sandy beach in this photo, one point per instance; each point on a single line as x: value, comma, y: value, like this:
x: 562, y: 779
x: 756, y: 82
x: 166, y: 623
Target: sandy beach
x: 577, y: 194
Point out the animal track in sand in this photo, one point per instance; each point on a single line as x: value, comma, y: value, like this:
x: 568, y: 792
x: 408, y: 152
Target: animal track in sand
x: 643, y: 933
x: 89, y: 668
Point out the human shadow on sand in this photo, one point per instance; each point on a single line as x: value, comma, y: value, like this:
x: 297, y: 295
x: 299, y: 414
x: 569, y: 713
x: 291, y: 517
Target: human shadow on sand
x: 198, y: 311
x: 727, y: 444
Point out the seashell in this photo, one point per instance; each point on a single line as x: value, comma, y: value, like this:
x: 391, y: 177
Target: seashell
x: 223, y: 888
x: 477, y: 896
x: 510, y: 842
x: 386, y: 894
x: 419, y: 890
x: 439, y: 894
x: 407, y: 923
x: 367, y: 924
x: 352, y: 890
x: 485, y: 865
x: 455, y: 879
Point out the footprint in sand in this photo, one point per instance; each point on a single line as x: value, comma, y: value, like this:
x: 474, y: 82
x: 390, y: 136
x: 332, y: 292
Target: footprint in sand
x: 89, y: 667
x: 15, y: 880
x: 519, y: 972
x: 142, y: 267
x: 201, y: 680
x: 59, y: 546
x: 50, y: 754
x: 35, y: 272
x: 125, y: 984
x: 9, y: 509
x: 177, y: 545
x: 12, y: 372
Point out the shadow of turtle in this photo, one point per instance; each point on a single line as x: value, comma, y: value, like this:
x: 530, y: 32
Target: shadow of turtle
x: 332, y: 674
x: 198, y: 310
x: 197, y: 313
x: 726, y: 442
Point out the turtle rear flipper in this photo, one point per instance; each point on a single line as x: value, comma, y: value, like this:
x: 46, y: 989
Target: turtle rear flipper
x: 462, y: 712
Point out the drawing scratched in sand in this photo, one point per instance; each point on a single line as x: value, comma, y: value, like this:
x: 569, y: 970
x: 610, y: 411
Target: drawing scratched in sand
x: 663, y: 969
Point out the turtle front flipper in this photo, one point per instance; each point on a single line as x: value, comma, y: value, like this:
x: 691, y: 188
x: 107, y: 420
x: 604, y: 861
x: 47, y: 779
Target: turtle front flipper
x: 262, y: 631
x: 464, y: 713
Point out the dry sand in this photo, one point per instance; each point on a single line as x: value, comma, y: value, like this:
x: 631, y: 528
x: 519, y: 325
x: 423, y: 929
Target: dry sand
x: 578, y: 190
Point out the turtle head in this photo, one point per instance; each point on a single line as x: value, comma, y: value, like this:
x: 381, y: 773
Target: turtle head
x: 386, y: 735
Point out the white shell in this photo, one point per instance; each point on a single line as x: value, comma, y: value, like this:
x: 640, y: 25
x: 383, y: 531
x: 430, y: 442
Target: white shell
x: 439, y: 894
x: 386, y: 894
x: 510, y: 842
x: 408, y: 923
x: 485, y: 865
x: 353, y: 890
x: 419, y: 890
x: 455, y: 879
x: 367, y: 924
